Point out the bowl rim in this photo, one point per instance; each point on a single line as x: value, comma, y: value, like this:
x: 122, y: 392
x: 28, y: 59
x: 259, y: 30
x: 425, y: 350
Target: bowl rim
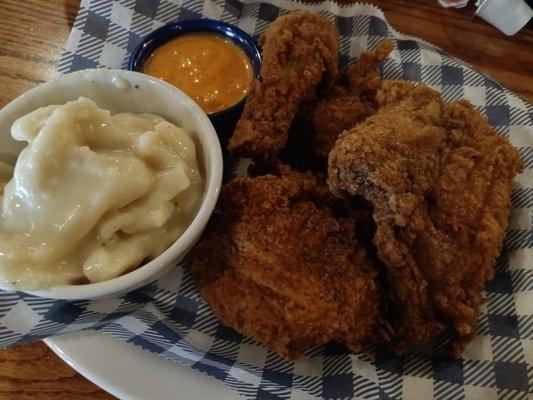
x: 178, y: 249
x: 174, y: 29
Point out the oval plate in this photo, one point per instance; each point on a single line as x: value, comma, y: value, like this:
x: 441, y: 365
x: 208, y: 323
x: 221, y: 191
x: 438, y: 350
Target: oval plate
x: 118, y: 368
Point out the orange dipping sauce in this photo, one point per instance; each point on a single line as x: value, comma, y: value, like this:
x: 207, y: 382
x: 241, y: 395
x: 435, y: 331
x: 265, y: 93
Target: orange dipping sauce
x: 211, y: 69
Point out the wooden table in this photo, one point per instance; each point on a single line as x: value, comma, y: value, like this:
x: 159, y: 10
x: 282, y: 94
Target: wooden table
x: 32, y: 34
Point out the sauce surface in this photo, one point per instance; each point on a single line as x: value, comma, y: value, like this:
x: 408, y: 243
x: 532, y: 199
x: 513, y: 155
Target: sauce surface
x: 209, y: 68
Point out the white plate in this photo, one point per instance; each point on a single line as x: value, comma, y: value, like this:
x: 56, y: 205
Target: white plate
x: 129, y: 372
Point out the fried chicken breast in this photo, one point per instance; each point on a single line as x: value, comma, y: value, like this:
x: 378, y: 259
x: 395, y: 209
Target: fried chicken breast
x: 278, y: 265
x: 439, y: 179
x: 300, y: 53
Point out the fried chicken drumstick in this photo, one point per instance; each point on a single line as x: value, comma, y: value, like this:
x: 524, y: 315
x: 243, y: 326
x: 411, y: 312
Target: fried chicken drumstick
x: 439, y: 179
x: 300, y: 53
x: 277, y: 265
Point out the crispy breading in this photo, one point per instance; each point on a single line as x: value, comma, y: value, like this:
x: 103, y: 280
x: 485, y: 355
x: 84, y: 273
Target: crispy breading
x: 340, y: 111
x: 278, y: 265
x: 439, y: 179
x: 363, y: 76
x: 392, y: 91
x: 300, y: 54
x: 351, y: 101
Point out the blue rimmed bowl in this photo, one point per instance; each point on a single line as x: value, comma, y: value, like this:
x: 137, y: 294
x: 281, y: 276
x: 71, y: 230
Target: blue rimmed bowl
x: 224, y: 121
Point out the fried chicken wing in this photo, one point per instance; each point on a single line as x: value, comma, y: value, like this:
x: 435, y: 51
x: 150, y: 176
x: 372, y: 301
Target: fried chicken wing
x: 278, y: 265
x: 351, y: 101
x: 300, y: 53
x: 439, y: 179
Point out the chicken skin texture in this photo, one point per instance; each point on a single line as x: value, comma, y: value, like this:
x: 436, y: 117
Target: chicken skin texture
x: 278, y: 265
x: 300, y: 54
x: 352, y: 99
x: 439, y: 179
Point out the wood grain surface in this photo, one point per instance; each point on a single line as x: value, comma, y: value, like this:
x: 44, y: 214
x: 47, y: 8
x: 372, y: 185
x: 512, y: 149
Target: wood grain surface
x: 32, y: 34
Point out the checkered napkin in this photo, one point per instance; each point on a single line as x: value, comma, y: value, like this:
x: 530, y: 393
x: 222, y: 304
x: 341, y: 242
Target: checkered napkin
x: 169, y: 318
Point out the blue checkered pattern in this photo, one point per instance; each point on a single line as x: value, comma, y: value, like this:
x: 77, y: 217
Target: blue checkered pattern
x: 169, y: 318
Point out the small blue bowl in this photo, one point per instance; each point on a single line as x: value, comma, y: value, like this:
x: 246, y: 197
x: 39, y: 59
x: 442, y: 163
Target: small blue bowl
x: 224, y: 121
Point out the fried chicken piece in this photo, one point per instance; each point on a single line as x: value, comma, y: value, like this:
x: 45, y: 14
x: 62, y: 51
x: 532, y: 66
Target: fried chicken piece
x: 277, y: 265
x: 392, y: 91
x: 363, y: 76
x: 352, y: 99
x: 338, y: 112
x: 439, y: 179
x: 300, y: 54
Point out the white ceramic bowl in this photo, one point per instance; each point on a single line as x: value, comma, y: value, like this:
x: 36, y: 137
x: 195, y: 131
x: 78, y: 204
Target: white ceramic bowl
x: 125, y: 91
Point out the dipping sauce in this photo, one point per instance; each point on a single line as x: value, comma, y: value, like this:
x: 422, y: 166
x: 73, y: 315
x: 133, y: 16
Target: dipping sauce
x: 93, y: 195
x: 211, y: 69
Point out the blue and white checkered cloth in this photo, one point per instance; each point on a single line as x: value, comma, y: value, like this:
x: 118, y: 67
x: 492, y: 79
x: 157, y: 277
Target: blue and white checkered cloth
x: 169, y: 318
